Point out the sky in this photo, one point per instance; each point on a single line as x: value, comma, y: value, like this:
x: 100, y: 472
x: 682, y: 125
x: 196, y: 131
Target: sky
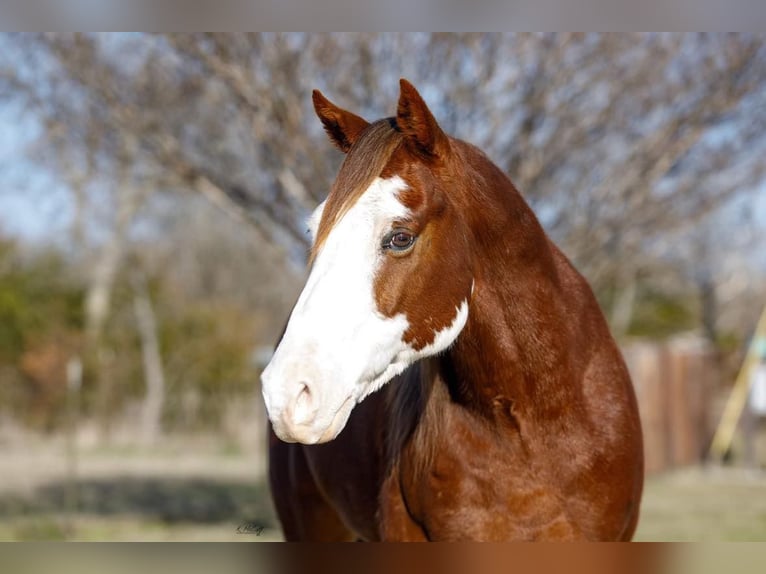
x: 33, y: 206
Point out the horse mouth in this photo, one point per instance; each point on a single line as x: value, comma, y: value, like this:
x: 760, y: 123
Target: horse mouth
x: 308, y: 434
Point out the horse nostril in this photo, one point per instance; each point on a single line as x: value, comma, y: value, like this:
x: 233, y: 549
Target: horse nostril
x: 303, y: 407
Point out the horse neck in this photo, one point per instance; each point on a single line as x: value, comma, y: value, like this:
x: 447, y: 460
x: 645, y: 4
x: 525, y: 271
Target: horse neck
x: 515, y: 346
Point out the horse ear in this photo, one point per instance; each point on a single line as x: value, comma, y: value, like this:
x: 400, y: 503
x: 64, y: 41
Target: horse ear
x: 341, y: 126
x: 415, y: 120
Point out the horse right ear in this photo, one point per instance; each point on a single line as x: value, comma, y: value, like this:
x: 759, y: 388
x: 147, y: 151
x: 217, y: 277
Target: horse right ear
x: 341, y: 126
x: 417, y: 123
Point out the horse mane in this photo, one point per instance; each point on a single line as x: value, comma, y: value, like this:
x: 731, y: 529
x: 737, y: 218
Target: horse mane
x: 363, y: 163
x: 413, y: 405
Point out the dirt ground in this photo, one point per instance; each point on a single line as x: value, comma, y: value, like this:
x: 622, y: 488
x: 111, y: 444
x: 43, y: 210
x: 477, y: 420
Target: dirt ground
x: 189, y: 492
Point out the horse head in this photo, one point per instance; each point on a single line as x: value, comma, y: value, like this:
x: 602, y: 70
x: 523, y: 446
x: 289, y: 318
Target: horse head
x: 391, y: 270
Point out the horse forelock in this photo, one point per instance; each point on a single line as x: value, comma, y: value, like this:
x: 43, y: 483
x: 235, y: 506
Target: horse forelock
x: 364, y: 162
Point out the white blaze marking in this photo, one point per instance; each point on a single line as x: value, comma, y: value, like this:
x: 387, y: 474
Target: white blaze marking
x: 337, y: 343
x: 314, y: 219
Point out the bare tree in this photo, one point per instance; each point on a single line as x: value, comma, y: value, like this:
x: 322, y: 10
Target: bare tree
x: 622, y: 143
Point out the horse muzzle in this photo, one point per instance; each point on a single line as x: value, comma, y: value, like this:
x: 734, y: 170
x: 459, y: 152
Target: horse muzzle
x: 298, y: 412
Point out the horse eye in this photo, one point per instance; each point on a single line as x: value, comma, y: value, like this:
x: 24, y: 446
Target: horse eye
x: 401, y: 240
x: 398, y: 240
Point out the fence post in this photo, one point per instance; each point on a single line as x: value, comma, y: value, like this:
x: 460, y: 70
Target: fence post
x: 74, y: 383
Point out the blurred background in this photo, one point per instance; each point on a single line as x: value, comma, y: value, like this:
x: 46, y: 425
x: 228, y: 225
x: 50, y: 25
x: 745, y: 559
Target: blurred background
x: 153, y: 196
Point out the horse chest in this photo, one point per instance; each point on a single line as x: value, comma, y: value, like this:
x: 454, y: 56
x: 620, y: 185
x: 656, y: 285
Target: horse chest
x: 474, y: 486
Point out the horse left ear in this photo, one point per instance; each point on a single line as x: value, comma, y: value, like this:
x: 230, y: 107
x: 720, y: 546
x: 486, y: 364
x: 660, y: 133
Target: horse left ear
x: 342, y: 127
x: 415, y: 120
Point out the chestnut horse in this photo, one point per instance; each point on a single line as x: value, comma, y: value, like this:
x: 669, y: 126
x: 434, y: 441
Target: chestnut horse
x: 453, y: 362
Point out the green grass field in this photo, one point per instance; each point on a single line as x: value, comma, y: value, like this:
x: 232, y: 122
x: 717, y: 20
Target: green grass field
x: 714, y: 504
x: 182, y: 492
x: 215, y: 495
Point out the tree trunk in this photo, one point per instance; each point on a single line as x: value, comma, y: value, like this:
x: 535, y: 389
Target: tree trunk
x: 154, y: 378
x: 621, y: 313
x: 98, y: 297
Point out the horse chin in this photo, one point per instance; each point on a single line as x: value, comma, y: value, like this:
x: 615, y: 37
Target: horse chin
x: 339, y: 421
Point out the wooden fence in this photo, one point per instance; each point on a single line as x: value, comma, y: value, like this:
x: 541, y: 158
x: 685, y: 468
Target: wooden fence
x: 675, y: 384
